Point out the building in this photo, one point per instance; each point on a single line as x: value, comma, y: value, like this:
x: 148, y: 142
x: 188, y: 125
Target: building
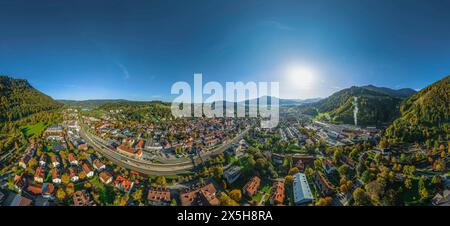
x: 73, y: 174
x: 252, y: 186
x: 123, y: 149
x: 39, y: 175
x: 99, y: 166
x: 14, y: 199
x: 55, y: 161
x: 302, y: 191
x: 441, y: 199
x: 72, y: 160
x: 105, y: 177
x: 201, y: 195
x: 322, y: 183
x: 82, y: 198
x: 277, y: 159
x: 43, y: 160
x: 87, y: 170
x: 20, y: 182
x: 54, y: 133
x: 35, y: 189
x: 23, y: 162
x: 123, y: 184
x: 83, y: 147
x: 277, y: 193
x: 47, y: 190
x: 232, y: 174
x: 158, y: 196
x: 56, y: 177
x: 328, y: 166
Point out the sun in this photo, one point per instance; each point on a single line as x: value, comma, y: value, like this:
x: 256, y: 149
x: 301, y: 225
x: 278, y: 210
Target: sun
x: 299, y: 77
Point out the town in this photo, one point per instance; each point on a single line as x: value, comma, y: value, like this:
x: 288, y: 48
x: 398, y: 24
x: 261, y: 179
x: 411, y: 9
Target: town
x: 102, y: 157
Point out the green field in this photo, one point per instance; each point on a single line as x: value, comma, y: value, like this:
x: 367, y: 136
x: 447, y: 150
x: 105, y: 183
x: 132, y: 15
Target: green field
x: 33, y: 129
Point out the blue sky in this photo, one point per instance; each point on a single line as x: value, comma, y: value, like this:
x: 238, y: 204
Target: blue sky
x: 138, y: 49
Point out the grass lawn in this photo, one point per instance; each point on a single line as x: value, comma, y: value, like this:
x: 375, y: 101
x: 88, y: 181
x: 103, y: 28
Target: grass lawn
x: 33, y: 129
x: 265, y: 187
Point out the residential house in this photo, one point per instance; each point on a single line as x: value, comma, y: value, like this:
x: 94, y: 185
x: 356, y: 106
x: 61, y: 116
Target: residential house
x: 55, y: 161
x: 277, y: 193
x: 83, y: 147
x: 87, y: 170
x: 20, y: 182
x: 23, y: 162
x: 56, y: 177
x: 324, y: 186
x: 123, y: 184
x: 328, y: 166
x: 72, y: 160
x: 158, y: 196
x: 39, y: 175
x: 99, y: 166
x: 73, y: 174
x: 252, y: 186
x: 82, y: 198
x: 201, y: 195
x: 105, y: 177
x: 47, y: 190
x: 43, y: 160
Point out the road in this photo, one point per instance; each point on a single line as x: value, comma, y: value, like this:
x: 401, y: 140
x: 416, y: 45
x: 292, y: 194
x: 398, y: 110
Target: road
x: 155, y: 168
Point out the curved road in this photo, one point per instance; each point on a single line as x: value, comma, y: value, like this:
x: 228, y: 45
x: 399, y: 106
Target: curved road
x: 155, y: 168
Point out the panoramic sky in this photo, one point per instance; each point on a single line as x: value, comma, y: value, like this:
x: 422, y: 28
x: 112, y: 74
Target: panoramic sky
x: 137, y: 49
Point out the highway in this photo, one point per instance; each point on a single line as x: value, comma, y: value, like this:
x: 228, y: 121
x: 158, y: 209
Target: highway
x: 155, y: 168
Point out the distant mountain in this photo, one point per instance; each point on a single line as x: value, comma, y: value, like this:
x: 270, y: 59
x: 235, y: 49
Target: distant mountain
x: 425, y: 115
x: 20, y: 99
x: 285, y: 102
x: 401, y: 93
x: 90, y: 103
x: 376, y: 105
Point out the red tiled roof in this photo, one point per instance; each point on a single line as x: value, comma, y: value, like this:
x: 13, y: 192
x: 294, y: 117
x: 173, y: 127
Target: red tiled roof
x: 252, y: 185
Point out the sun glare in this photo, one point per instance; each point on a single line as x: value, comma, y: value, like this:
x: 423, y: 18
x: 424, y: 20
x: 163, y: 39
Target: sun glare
x: 300, y: 77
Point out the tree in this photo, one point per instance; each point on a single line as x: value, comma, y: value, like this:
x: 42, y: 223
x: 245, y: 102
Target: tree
x: 161, y: 180
x: 423, y: 194
x: 309, y: 172
x: 70, y: 189
x: 289, y: 179
x: 225, y: 200
x: 360, y: 197
x: 65, y: 178
x: 293, y: 171
x: 236, y: 195
x: 408, y: 183
x: 342, y: 170
x: 375, y: 190
x: 137, y: 195
x: 324, y: 201
x: 60, y: 194
x: 82, y: 175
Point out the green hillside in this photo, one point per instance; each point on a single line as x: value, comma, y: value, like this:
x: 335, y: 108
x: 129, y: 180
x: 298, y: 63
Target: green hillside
x: 425, y: 115
x: 20, y: 99
x: 377, y: 105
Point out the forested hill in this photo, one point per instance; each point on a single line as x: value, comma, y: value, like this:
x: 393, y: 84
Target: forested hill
x: 425, y: 115
x: 377, y: 105
x: 20, y: 99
